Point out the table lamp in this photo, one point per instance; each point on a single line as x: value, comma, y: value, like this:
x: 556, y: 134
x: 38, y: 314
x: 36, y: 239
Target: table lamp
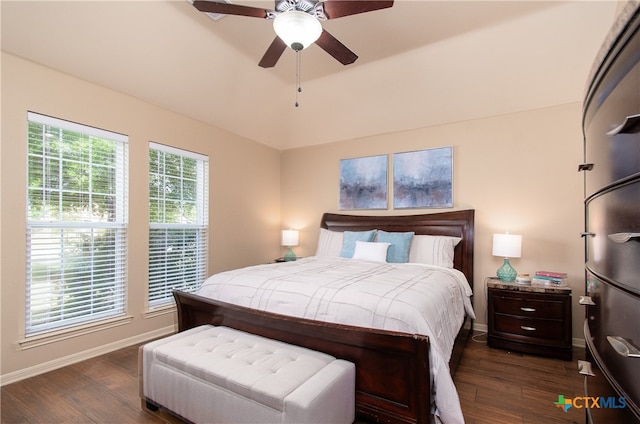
x: 289, y: 239
x: 507, y: 246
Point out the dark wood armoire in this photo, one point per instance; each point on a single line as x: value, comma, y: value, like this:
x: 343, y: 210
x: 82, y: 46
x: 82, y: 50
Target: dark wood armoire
x: 611, y: 125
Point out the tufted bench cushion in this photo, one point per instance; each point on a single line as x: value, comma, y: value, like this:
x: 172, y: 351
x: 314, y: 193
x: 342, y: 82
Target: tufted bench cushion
x: 218, y: 374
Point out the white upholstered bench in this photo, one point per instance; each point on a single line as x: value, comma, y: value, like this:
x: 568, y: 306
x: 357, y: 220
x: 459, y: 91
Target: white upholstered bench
x: 220, y: 375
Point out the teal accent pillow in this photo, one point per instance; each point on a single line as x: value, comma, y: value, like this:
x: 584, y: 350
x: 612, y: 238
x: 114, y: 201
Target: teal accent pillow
x: 400, y: 244
x: 350, y: 238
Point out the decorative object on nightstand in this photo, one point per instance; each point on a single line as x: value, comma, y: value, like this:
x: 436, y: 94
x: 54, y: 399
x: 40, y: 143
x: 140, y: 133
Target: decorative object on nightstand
x: 507, y: 246
x: 550, y: 278
x: 289, y: 239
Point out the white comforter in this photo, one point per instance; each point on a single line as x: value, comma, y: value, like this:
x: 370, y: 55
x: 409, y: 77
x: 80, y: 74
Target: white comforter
x: 411, y: 298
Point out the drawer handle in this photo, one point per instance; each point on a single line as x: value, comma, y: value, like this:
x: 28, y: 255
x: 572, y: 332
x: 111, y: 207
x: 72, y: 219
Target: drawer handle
x: 623, y: 237
x: 584, y: 368
x: 524, y: 309
x: 585, y: 167
x: 630, y: 125
x: 623, y: 347
x: 525, y: 328
x: 586, y: 300
x: 587, y: 233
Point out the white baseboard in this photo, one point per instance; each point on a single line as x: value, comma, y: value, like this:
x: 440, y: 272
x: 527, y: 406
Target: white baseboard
x: 480, y: 327
x: 81, y: 356
x: 575, y: 342
x: 578, y: 342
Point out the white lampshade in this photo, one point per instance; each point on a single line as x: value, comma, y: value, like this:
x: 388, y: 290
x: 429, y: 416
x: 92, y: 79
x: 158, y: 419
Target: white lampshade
x: 289, y: 238
x: 507, y: 245
x: 297, y: 29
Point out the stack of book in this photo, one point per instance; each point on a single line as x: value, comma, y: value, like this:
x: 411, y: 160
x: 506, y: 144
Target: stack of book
x: 550, y: 278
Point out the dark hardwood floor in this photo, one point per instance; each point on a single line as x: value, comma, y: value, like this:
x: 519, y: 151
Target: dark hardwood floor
x: 495, y: 386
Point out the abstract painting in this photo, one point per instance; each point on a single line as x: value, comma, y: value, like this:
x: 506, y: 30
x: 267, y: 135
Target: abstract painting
x: 423, y: 179
x: 363, y: 183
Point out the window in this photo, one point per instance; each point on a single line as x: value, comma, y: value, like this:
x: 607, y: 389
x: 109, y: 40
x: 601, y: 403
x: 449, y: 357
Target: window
x: 76, y: 224
x: 178, y: 221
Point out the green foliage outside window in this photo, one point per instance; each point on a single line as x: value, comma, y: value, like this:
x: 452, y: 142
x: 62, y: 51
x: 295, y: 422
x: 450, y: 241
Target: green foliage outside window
x: 173, y: 188
x: 71, y: 175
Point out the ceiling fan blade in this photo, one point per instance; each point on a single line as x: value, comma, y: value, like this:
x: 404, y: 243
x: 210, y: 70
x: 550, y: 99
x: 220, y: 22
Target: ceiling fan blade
x: 229, y: 9
x: 335, y: 48
x: 273, y: 53
x: 338, y: 8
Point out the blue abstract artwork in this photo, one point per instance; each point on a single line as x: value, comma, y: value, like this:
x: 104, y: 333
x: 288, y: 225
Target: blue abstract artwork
x: 423, y: 179
x: 363, y: 183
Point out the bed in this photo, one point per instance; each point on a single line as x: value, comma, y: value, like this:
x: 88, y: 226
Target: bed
x: 400, y: 376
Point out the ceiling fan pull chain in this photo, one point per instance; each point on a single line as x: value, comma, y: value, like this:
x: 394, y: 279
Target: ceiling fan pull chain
x: 298, y: 88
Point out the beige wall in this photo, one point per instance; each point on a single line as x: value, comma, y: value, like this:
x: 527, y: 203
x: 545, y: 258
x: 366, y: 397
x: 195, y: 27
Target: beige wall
x: 244, y: 194
x: 518, y: 171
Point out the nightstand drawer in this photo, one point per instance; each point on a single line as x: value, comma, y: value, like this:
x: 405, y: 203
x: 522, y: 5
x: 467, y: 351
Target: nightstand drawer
x: 529, y: 307
x: 529, y: 327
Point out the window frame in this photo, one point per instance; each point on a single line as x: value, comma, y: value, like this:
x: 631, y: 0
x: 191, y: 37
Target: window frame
x: 41, y: 225
x: 159, y: 290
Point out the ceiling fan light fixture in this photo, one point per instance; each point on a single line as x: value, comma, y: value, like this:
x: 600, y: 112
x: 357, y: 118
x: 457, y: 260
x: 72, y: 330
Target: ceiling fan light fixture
x: 297, y: 29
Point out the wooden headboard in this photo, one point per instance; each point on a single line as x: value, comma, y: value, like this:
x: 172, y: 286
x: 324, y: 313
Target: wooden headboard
x: 454, y: 223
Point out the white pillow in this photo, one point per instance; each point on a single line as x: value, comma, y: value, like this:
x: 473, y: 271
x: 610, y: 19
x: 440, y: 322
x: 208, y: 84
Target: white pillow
x: 329, y: 243
x: 433, y: 250
x: 371, y: 251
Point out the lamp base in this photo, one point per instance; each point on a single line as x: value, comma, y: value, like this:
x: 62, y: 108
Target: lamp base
x: 506, y: 271
x: 290, y: 256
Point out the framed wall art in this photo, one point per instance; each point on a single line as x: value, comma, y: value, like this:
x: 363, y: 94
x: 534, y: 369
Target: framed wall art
x: 363, y: 183
x: 423, y: 179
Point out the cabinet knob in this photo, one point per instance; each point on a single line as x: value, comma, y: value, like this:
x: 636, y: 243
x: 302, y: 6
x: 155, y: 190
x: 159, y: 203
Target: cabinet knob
x: 585, y: 167
x: 623, y: 347
x: 630, y: 125
x: 586, y: 300
x: 584, y: 368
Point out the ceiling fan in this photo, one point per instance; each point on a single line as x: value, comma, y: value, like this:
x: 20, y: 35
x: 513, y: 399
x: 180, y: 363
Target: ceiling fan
x: 297, y: 23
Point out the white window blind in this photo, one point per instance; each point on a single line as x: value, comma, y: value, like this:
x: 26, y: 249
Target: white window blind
x: 178, y: 221
x: 76, y: 224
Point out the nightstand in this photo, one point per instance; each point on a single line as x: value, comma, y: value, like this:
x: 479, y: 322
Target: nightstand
x: 529, y: 319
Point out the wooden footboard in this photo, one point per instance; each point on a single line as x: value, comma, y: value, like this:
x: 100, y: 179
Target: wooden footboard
x: 392, y: 369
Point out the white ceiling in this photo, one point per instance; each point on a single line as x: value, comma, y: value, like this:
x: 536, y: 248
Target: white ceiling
x: 420, y: 63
